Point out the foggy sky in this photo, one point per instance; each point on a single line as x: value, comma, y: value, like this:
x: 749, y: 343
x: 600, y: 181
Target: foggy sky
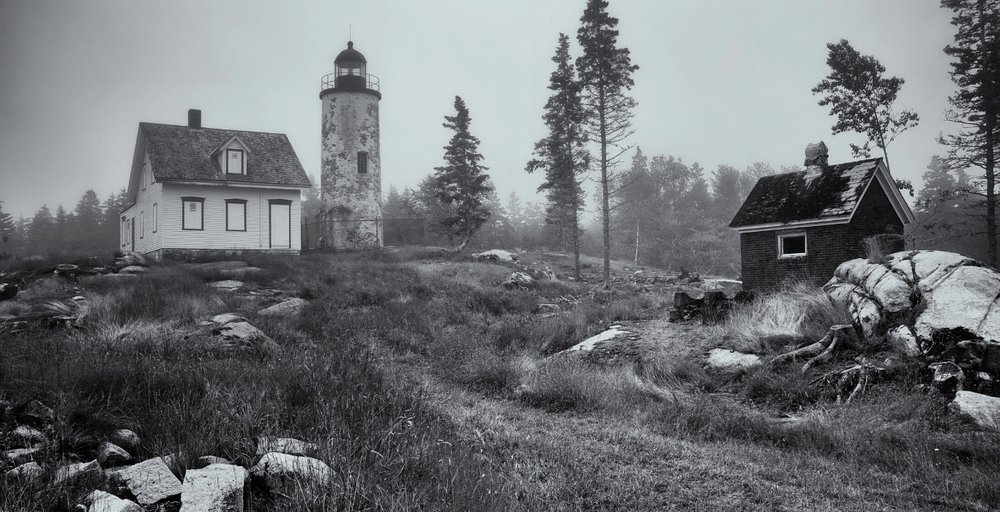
x: 720, y: 82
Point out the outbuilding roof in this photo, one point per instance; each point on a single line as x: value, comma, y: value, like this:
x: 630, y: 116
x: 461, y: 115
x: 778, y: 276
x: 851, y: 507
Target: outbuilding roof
x: 819, y: 194
x: 181, y: 153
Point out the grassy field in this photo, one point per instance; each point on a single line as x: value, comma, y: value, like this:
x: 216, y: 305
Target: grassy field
x: 431, y: 387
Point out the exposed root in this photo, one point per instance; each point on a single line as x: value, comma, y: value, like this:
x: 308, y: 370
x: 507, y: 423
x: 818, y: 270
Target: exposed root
x: 852, y: 381
x: 822, y: 350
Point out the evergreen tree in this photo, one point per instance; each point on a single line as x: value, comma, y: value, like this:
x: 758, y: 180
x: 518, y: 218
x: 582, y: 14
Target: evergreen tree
x: 861, y: 98
x: 63, y: 231
x: 637, y: 201
x: 975, y: 106
x: 945, y: 214
x: 6, y: 226
x: 42, y: 232
x: 461, y: 183
x: 111, y: 219
x: 606, y: 74
x: 561, y: 153
x: 85, y: 227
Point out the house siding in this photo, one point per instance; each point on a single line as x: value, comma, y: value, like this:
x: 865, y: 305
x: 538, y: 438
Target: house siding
x: 214, y: 235
x: 142, y: 210
x: 826, y: 246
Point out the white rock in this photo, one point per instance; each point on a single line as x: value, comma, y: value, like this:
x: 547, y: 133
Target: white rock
x: 228, y: 285
x: 285, y: 445
x: 933, y: 267
x: 729, y: 287
x: 133, y: 269
x: 100, y: 501
x: 723, y: 359
x: 242, y: 335
x: 965, y: 299
x: 948, y: 376
x: 125, y: 438
x: 840, y: 293
x: 151, y: 481
x: 866, y: 314
x: 110, y: 454
x: 288, y: 307
x: 227, y: 318
x: 28, y: 472
x: 26, y: 436
x: 495, y: 255
x: 285, y: 474
x: 518, y: 280
x: 588, y: 344
x: 215, y: 488
x: 208, y: 460
x: 983, y: 410
x: 71, y: 474
x: 889, y: 289
x: 19, y: 456
x: 902, y: 339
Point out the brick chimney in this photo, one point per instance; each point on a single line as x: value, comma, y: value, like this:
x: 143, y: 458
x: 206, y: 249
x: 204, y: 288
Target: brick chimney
x: 194, y: 118
x: 816, y: 155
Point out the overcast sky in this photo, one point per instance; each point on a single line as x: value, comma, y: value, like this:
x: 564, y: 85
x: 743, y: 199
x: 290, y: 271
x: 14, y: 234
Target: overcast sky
x: 720, y: 82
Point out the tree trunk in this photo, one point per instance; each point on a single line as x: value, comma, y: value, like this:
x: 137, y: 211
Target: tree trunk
x: 576, y: 237
x: 991, y: 205
x: 636, y: 259
x: 605, y: 205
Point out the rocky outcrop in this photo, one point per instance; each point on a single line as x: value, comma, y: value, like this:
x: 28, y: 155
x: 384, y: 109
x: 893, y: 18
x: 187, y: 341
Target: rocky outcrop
x: 287, y: 307
x: 983, y: 410
x: 150, y: 481
x: 729, y: 360
x: 519, y: 280
x: 214, y: 488
x: 100, y: 501
x: 81, y: 473
x: 495, y: 256
x: 286, y: 474
x: 242, y: 336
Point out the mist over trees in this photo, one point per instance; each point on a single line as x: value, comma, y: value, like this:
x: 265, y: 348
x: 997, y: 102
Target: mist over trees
x: 90, y: 229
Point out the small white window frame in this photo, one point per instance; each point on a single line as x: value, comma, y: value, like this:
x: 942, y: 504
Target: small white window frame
x: 142, y: 224
x: 156, y: 217
x: 781, y: 245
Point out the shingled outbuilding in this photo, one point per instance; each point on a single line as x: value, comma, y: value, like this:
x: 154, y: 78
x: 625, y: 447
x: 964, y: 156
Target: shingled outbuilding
x: 201, y: 190
x: 802, y: 225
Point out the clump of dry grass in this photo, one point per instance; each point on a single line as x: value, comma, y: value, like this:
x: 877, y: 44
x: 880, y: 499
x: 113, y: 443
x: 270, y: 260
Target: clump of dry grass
x: 796, y: 312
x: 570, y: 384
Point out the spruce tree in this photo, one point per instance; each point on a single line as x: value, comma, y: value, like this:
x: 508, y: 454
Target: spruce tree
x: 975, y: 106
x: 86, y: 224
x: 6, y: 226
x: 561, y: 153
x: 461, y: 184
x: 606, y: 74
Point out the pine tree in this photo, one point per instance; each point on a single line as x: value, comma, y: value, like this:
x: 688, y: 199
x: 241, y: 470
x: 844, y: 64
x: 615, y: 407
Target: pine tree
x: 561, y: 153
x: 6, y: 226
x: 63, y: 231
x: 975, y: 106
x: 606, y: 74
x: 111, y: 220
x: 461, y: 183
x: 42, y: 232
x: 861, y: 98
x: 85, y: 227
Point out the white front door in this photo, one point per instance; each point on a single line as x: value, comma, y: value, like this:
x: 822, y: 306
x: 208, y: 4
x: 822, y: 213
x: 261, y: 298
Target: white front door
x: 281, y: 216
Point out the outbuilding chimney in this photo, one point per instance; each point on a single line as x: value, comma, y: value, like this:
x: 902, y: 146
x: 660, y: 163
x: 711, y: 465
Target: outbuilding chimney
x: 194, y: 118
x: 816, y: 155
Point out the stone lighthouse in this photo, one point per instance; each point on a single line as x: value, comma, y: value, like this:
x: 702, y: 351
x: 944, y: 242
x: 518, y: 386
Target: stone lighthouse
x: 351, y: 161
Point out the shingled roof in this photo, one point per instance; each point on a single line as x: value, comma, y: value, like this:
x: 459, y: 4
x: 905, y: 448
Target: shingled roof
x: 180, y: 153
x: 817, y: 193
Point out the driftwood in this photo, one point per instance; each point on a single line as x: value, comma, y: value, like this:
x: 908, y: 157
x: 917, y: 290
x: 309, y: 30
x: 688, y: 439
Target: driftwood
x: 836, y: 338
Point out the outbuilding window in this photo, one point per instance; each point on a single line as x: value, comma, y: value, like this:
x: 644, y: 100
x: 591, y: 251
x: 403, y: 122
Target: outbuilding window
x: 792, y: 245
x: 193, y: 213
x: 236, y: 214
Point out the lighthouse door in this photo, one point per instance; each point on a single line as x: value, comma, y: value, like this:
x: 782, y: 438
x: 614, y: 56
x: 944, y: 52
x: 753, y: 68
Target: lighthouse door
x: 280, y: 224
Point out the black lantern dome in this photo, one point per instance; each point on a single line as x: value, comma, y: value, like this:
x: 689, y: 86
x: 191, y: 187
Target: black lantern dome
x: 350, y: 73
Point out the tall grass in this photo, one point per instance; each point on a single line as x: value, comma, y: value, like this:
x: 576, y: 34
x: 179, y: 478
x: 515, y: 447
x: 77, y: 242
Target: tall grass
x: 796, y: 312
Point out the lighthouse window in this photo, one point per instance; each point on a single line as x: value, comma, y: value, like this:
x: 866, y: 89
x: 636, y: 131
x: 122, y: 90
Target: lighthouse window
x: 363, y: 162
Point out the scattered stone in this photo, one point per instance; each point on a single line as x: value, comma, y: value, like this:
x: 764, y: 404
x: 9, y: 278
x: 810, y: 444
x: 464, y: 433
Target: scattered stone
x: 125, y: 438
x: 100, y: 501
x: 8, y: 291
x: 495, y: 255
x: 150, y: 481
x: 37, y: 413
x: 983, y: 410
x: 19, y: 456
x: 285, y: 445
x: 208, y: 460
x: 26, y: 436
x: 133, y: 269
x: 518, y: 280
x: 242, y: 335
x: 902, y: 339
x: 948, y: 377
x: 287, y: 307
x: 215, y: 488
x: 286, y: 474
x: 588, y: 344
x: 228, y: 285
x: 66, y: 268
x: 227, y: 318
x: 79, y: 473
x: 28, y: 472
x: 110, y: 454
x: 723, y: 359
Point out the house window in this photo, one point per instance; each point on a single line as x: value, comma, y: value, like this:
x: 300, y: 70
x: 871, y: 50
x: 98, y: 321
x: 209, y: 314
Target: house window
x: 792, y: 245
x: 235, y: 161
x: 142, y: 224
x: 236, y: 214
x: 156, y: 217
x: 362, y: 162
x: 124, y: 231
x: 193, y: 213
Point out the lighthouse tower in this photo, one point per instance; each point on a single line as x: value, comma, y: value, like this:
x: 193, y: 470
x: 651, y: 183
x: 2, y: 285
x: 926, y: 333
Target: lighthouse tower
x: 351, y: 162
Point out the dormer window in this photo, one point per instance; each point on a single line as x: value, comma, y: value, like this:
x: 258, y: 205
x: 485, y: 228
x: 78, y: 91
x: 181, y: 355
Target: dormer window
x: 236, y: 161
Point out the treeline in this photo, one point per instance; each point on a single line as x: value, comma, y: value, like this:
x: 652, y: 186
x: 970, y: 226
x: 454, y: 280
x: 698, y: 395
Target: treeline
x: 90, y: 229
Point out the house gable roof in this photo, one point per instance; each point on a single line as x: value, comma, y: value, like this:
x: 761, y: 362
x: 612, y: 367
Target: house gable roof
x: 180, y: 153
x: 816, y: 196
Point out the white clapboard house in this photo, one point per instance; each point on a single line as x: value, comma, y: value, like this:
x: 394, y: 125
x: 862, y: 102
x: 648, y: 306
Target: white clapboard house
x: 202, y: 190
